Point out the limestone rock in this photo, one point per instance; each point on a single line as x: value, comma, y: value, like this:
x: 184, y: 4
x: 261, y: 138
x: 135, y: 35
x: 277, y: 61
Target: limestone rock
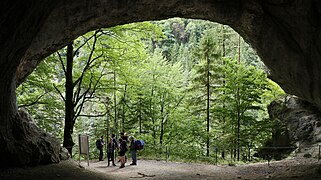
x: 30, y: 145
x: 299, y: 124
x: 64, y: 154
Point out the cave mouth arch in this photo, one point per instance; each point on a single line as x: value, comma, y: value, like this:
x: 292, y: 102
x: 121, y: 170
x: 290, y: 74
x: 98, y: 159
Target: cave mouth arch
x: 284, y: 34
x: 176, y: 23
x: 270, y: 27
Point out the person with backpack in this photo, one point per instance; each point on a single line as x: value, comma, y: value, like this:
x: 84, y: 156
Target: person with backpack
x: 133, y: 150
x: 100, y: 144
x: 110, y: 151
x: 122, y: 151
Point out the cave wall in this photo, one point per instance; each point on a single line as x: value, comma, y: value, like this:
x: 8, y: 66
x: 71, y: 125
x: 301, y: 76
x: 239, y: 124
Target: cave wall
x: 285, y: 33
x: 297, y: 125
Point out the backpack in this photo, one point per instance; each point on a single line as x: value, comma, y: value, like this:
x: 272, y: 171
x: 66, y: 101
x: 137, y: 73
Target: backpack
x: 139, y: 144
x: 98, y: 143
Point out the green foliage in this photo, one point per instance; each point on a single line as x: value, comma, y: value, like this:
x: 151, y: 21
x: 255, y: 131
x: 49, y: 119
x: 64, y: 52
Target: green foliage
x: 243, y: 89
x: 162, y: 82
x: 38, y: 97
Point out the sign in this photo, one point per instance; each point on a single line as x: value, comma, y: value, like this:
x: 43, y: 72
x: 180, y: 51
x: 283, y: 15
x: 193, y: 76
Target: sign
x: 83, y: 146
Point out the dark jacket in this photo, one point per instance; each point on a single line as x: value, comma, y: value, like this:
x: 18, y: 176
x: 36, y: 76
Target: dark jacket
x: 111, y: 147
x: 100, y: 143
x: 123, y: 146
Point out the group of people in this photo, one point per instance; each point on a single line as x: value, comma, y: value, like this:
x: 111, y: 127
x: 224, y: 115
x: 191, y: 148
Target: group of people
x: 121, y: 146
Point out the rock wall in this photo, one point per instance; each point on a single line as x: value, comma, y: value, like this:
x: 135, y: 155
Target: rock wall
x: 298, y: 123
x: 29, y: 145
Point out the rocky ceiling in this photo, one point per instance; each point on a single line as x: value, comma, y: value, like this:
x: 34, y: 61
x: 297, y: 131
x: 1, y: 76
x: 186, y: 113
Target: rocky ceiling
x: 285, y: 33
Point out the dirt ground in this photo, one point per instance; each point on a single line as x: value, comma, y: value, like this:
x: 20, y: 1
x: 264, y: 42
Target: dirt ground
x: 150, y: 169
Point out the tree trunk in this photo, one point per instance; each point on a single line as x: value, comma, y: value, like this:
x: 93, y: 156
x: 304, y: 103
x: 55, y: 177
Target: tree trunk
x: 151, y: 113
x: 69, y: 105
x: 238, y: 125
x: 162, y: 121
x: 124, y: 109
x: 140, y: 115
x: 115, y: 104
x: 238, y: 104
x: 208, y: 108
x: 224, y: 84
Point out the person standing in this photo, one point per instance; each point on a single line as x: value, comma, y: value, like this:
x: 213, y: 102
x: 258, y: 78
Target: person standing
x: 133, y: 150
x: 122, y: 151
x: 100, y: 144
x: 113, y: 136
x: 125, y: 138
x: 111, y: 151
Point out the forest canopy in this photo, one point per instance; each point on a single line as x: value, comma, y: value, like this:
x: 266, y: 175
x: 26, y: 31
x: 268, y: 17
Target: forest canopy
x: 191, y: 86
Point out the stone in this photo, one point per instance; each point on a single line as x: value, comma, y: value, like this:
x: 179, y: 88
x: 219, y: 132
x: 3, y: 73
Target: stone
x: 30, y: 145
x: 64, y: 154
x: 299, y: 120
x: 299, y: 117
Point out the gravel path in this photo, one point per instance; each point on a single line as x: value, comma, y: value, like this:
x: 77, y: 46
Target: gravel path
x: 164, y: 170
x: 149, y: 169
x: 286, y: 169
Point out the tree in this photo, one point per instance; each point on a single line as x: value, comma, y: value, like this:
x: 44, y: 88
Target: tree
x: 207, y: 77
x: 39, y: 97
x: 82, y: 89
x: 244, y: 87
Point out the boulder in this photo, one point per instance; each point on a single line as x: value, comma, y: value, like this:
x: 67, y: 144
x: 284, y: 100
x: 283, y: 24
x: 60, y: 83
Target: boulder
x: 29, y: 145
x: 297, y: 124
x: 64, y: 154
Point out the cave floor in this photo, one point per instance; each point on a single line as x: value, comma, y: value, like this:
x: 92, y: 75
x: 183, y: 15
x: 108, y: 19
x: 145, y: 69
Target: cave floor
x: 150, y: 169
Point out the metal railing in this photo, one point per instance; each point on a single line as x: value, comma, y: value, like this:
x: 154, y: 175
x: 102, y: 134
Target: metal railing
x: 216, y: 155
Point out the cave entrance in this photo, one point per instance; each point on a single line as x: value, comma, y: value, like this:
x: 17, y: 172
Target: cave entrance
x: 39, y: 29
x: 158, y: 81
